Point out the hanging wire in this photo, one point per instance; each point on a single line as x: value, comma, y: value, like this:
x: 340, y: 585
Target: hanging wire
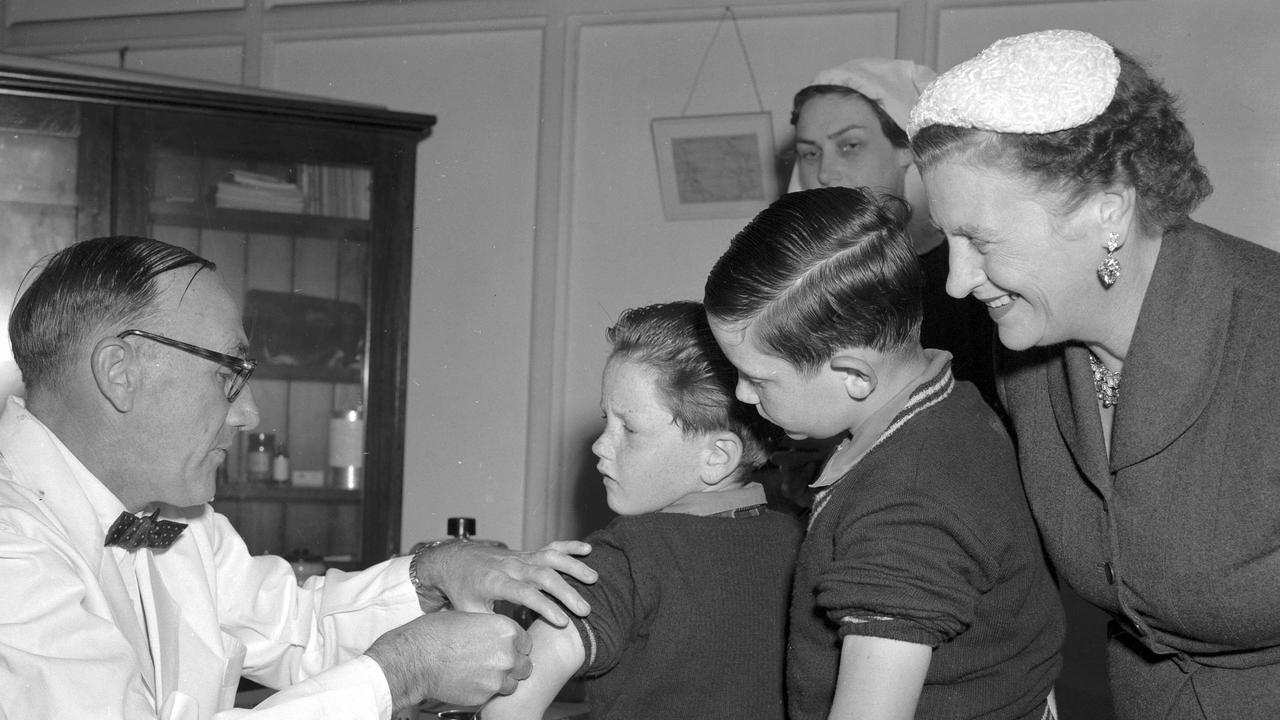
x: 728, y: 13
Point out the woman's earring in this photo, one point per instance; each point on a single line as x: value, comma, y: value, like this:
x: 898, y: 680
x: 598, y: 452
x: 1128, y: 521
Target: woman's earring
x: 1109, y: 268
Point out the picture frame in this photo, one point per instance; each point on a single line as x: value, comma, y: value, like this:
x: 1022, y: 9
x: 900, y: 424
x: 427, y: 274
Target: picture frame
x: 715, y: 166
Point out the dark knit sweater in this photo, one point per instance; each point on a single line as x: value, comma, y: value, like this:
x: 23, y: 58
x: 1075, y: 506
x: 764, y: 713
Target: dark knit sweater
x: 928, y: 539
x: 688, y: 618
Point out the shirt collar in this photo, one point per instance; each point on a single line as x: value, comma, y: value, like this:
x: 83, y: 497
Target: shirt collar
x: 106, y: 506
x: 703, y: 504
x: 927, y: 389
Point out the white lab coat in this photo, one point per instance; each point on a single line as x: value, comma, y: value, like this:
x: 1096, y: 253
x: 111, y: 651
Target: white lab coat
x: 73, y: 643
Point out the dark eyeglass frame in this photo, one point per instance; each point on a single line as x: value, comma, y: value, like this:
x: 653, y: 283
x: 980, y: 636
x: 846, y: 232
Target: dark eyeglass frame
x: 242, y: 368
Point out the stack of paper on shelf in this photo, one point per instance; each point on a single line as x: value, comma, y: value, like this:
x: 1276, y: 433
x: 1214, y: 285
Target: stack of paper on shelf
x: 247, y: 190
x: 338, y: 191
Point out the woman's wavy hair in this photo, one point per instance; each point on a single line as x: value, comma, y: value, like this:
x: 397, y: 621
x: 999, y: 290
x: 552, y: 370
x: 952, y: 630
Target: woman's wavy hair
x: 820, y: 271
x: 104, y: 283
x: 695, y: 380
x: 1139, y: 140
x: 896, y: 135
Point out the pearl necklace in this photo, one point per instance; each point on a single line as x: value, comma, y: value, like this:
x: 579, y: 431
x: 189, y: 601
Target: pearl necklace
x: 1105, y: 382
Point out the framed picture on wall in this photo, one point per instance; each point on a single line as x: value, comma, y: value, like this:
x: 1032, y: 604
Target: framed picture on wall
x: 715, y: 166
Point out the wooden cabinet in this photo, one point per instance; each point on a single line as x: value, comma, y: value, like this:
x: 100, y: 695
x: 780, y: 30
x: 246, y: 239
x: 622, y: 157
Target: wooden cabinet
x: 306, y: 206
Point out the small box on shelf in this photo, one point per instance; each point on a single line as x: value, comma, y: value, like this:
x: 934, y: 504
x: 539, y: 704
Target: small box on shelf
x: 308, y: 478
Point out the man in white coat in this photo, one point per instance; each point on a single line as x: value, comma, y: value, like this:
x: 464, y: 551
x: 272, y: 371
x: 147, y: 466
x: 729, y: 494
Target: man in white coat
x: 133, y: 356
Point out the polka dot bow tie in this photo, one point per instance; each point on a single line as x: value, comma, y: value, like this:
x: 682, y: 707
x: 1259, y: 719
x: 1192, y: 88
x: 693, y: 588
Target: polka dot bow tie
x: 131, y: 532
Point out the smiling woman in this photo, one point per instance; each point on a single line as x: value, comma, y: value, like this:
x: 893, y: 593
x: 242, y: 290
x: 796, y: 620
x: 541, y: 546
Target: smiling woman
x: 1010, y: 251
x: 1142, y: 390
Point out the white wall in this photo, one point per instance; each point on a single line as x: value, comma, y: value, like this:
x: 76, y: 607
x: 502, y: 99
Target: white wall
x: 473, y: 244
x: 217, y: 63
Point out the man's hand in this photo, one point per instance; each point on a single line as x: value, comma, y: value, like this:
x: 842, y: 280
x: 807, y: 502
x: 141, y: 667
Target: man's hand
x: 456, y: 657
x: 472, y: 576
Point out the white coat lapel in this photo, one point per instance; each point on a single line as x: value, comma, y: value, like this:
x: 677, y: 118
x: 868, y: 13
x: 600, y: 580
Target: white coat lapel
x: 194, y: 668
x: 126, y: 618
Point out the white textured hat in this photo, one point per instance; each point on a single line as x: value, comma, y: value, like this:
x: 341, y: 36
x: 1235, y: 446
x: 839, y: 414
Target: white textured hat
x: 895, y: 84
x: 1040, y: 82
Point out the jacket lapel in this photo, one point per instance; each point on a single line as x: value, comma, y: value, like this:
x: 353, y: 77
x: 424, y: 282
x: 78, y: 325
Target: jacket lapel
x: 1075, y: 407
x: 126, y: 619
x: 1177, y: 350
x: 193, y: 667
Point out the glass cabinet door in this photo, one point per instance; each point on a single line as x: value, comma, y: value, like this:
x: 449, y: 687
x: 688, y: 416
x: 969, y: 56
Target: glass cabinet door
x: 286, y: 215
x: 306, y: 205
x: 51, y: 192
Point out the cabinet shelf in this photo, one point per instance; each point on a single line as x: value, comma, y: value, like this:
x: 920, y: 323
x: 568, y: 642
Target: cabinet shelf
x: 37, y: 198
x: 287, y: 493
x: 289, y: 372
x: 198, y: 215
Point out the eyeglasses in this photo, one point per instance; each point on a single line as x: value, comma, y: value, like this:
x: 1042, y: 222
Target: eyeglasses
x: 241, y: 368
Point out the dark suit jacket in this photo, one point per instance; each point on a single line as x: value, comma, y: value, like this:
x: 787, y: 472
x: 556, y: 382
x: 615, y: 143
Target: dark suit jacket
x: 1177, y: 534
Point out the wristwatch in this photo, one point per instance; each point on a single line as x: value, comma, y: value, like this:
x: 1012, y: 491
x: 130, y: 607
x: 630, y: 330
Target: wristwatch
x: 422, y: 589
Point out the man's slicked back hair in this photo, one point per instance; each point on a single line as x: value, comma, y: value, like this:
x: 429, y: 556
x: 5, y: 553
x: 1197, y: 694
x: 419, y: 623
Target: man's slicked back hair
x: 97, y: 284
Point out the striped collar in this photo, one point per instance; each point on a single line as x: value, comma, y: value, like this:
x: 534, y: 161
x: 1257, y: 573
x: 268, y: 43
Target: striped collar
x: 719, y: 502
x: 927, y: 390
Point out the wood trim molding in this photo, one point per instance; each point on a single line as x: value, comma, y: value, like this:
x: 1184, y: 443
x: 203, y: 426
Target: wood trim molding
x: 55, y: 79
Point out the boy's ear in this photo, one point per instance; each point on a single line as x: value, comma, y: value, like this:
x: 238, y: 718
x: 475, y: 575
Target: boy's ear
x: 857, y: 374
x: 115, y: 371
x: 721, y: 457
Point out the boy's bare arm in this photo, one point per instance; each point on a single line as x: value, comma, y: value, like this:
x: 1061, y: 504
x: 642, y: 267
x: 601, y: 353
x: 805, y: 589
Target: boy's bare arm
x: 880, y: 679
x: 557, y: 654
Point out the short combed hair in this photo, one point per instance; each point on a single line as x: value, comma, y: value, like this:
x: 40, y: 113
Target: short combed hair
x: 896, y: 135
x: 819, y: 271
x: 1139, y: 140
x: 694, y: 379
x: 91, y: 285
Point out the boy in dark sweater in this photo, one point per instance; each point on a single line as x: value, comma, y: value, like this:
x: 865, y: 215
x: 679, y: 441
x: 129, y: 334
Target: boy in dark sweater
x: 921, y: 589
x: 688, y: 617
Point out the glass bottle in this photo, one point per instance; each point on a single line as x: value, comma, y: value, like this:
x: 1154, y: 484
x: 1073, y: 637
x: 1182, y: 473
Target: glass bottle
x: 462, y: 529
x: 258, y: 461
x: 280, y: 465
x: 346, y: 449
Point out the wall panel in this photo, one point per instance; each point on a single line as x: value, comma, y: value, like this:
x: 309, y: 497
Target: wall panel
x: 216, y: 63
x: 22, y: 11
x: 472, y: 281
